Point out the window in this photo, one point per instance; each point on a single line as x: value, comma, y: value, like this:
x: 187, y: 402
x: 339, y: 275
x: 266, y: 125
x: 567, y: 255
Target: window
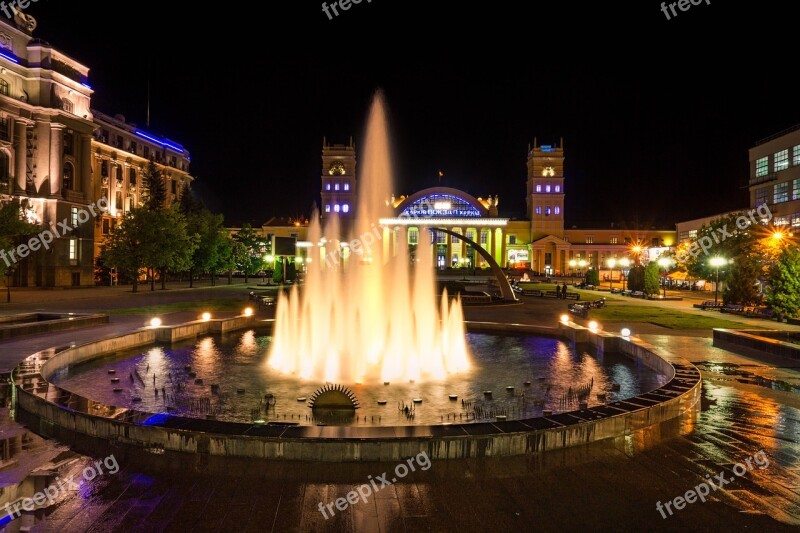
x: 120, y: 175
x: 547, y: 188
x: 484, y: 237
x: 441, y: 238
x: 781, y: 160
x: 547, y: 211
x: 558, y: 210
x: 796, y: 155
x: 5, y: 170
x: 337, y: 208
x: 613, y: 240
x: 413, y: 236
x: 761, y: 195
x: 781, y: 192
x: 68, y: 142
x: 471, y: 234
x: 538, y: 210
x: 4, y: 132
x: 106, y: 226
x: 538, y: 188
x: 119, y: 141
x: 69, y: 177
x: 796, y: 189
x: 346, y: 208
x: 589, y: 239
x: 118, y: 203
x: 73, y: 211
x: 454, y: 239
x: 512, y: 239
x: 3, y: 87
x: 73, y: 249
x: 336, y: 187
x: 66, y: 105
x: 104, y: 168
x: 762, y: 167
x: 132, y: 176
x: 655, y: 242
x: 327, y: 186
x: 347, y: 185
x: 132, y: 147
x: 327, y: 208
x: 146, y: 152
x: 692, y: 233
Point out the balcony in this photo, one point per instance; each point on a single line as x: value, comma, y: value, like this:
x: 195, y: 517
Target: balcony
x: 772, y: 176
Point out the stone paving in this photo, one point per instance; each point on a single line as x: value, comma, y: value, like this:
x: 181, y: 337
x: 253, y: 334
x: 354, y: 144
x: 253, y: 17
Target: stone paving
x: 612, y: 485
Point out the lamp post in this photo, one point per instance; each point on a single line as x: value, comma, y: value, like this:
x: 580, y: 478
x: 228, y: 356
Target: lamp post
x: 581, y: 264
x: 717, y: 262
x: 611, y: 264
x: 664, y: 263
x: 624, y: 263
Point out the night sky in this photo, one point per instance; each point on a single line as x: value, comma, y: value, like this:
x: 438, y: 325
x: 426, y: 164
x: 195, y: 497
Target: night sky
x: 656, y: 115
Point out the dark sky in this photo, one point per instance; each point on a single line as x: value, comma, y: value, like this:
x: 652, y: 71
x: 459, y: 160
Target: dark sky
x: 657, y: 115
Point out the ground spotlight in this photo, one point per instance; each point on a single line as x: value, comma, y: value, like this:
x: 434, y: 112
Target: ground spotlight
x: 155, y: 322
x: 206, y: 316
x: 565, y: 319
x: 593, y: 326
x: 248, y: 311
x: 625, y: 332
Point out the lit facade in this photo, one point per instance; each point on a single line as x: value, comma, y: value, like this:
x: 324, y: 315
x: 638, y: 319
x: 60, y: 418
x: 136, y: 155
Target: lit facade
x: 775, y: 177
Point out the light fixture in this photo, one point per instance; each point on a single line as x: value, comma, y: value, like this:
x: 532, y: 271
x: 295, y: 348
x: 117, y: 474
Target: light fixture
x: 565, y: 319
x: 248, y: 311
x: 155, y: 322
x: 206, y: 316
x: 593, y: 325
x: 625, y: 332
x: 269, y: 258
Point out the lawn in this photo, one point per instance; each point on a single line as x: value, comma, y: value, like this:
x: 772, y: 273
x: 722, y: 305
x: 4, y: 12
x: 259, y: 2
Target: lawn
x: 667, y: 318
x: 224, y: 304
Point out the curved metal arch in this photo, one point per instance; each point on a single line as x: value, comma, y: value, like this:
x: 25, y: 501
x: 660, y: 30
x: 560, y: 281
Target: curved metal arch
x: 442, y: 190
x: 502, y: 280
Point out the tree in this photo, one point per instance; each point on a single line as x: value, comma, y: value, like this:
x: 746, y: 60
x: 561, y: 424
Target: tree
x: 126, y: 249
x: 173, y: 246
x: 188, y: 203
x: 277, y: 274
x: 742, y: 287
x: 153, y: 180
x: 209, y: 234
x: 291, y: 271
x: 636, y: 278
x: 251, y: 240
x: 651, y: 278
x: 592, y: 277
x: 12, y: 226
x: 720, y: 237
x: 783, y: 292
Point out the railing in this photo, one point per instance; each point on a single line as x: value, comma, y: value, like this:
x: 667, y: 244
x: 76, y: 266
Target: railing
x: 763, y: 179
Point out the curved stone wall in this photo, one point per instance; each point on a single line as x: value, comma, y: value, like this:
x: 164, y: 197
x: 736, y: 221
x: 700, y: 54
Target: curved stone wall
x: 57, y: 413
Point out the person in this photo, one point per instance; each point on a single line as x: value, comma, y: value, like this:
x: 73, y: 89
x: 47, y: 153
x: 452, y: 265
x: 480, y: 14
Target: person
x: 564, y: 291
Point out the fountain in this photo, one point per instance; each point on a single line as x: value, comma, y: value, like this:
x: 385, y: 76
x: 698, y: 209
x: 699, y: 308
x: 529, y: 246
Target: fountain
x: 368, y: 311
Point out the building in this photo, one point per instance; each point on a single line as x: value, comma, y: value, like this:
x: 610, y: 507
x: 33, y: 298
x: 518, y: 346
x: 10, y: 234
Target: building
x: 58, y: 157
x: 775, y: 177
x: 540, y: 241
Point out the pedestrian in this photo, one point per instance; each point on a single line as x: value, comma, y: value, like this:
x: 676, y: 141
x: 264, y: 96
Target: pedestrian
x: 564, y: 290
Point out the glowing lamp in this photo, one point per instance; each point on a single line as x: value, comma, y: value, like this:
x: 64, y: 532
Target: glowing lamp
x: 593, y: 326
x: 155, y: 322
x: 206, y: 316
x: 248, y: 311
x: 565, y: 319
x: 625, y: 332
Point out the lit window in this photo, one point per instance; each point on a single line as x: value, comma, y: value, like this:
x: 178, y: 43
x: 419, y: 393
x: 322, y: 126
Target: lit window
x: 413, y: 236
x: 346, y: 208
x: 781, y: 192
x: 547, y: 210
x: 589, y: 239
x: 73, y: 249
x: 336, y: 187
x: 538, y: 188
x: 558, y: 188
x: 557, y: 210
x: 347, y: 185
x: 761, y: 195
x: 336, y: 208
x: 796, y: 155
x: 538, y: 210
x: 796, y: 189
x: 762, y: 167
x: 613, y: 240
x: 547, y: 188
x: 455, y: 240
x: 4, y: 87
x: 67, y: 106
x: 327, y: 208
x: 781, y: 160
x: 471, y: 234
x: 512, y: 239
x: 74, y: 216
x: 441, y: 238
x: 327, y: 186
x: 692, y: 233
x: 484, y: 237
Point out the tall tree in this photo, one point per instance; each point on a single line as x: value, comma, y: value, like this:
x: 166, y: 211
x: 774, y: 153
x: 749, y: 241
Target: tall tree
x: 636, y: 278
x: 155, y: 186
x: 651, y: 278
x: 252, y: 241
x: 173, y: 246
x: 783, y: 292
x: 127, y: 248
x: 742, y: 286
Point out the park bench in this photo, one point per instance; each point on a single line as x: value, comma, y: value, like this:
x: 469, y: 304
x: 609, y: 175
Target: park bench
x: 552, y: 294
x: 573, y: 296
x: 733, y: 309
x: 708, y: 304
x: 597, y: 304
x: 531, y: 292
x: 761, y: 312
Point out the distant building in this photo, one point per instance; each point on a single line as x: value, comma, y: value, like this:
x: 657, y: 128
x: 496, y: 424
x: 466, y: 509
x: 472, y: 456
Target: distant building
x: 775, y: 177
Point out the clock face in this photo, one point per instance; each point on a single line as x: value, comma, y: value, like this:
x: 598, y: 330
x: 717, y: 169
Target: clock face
x: 336, y: 169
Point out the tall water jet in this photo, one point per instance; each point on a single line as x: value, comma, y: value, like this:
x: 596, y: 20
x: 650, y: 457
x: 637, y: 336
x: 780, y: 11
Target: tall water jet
x: 368, y: 310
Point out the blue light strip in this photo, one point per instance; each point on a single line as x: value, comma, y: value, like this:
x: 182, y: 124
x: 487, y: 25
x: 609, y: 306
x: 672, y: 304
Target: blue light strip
x: 164, y: 142
x: 12, y: 59
x: 86, y: 85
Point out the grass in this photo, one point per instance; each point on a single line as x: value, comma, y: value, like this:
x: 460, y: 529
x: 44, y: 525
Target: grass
x: 667, y: 318
x: 224, y: 304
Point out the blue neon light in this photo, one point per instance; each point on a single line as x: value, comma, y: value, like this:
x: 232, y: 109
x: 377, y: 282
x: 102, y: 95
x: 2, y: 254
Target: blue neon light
x: 163, y: 142
x: 12, y: 59
x: 86, y: 85
x: 156, y: 419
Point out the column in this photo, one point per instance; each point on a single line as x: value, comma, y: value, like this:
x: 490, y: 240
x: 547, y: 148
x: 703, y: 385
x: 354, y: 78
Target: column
x: 86, y: 168
x: 448, y: 255
x: 56, y: 165
x: 21, y: 155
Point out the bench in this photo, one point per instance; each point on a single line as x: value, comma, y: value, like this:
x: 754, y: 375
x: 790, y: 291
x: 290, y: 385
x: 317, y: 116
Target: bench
x: 708, y: 304
x: 733, y: 309
x: 580, y: 310
x: 573, y: 296
x: 761, y: 312
x: 597, y: 304
x: 552, y: 294
x: 531, y: 292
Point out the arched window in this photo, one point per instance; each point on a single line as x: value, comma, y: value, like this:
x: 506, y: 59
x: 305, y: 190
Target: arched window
x: 69, y: 174
x: 3, y: 87
x: 5, y: 171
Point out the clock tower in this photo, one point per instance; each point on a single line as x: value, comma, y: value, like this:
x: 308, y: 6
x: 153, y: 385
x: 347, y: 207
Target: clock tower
x: 338, y: 180
x: 545, y: 197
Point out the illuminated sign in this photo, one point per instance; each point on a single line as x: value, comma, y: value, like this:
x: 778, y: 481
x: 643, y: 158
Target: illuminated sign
x: 441, y: 205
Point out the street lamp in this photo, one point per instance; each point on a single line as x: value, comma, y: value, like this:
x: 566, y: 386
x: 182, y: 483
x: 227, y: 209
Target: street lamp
x: 717, y: 262
x: 611, y: 264
x: 581, y: 264
x: 270, y: 259
x: 624, y: 263
x: 572, y: 265
x: 664, y: 263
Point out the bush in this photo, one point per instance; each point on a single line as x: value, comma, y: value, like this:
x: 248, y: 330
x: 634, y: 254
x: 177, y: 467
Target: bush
x: 592, y: 277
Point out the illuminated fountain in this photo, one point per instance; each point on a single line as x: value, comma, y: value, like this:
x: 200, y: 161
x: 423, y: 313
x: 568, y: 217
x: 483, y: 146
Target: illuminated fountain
x: 367, y: 312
